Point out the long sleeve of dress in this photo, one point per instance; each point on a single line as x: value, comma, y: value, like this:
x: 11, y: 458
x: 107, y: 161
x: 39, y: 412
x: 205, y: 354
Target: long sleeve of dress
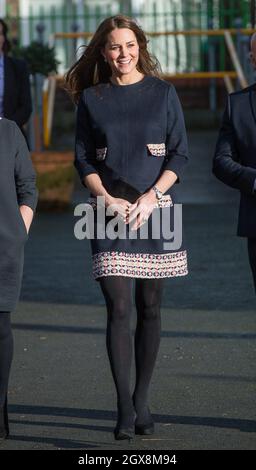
x: 176, y: 143
x: 25, y: 176
x: 85, y: 153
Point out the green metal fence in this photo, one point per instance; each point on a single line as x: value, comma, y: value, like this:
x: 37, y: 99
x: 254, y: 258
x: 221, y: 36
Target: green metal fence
x: 175, y: 53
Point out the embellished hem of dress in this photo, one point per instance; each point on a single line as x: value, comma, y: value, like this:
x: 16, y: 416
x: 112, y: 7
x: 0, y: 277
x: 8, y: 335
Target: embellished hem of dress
x: 140, y: 265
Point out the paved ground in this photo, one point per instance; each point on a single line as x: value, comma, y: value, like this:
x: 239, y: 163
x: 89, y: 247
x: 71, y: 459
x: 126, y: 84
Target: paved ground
x: 203, y: 391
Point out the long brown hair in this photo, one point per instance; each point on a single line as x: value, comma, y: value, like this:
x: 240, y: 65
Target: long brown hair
x: 91, y: 68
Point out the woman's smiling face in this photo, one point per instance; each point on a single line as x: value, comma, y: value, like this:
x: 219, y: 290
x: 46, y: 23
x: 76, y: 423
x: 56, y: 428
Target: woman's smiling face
x: 121, y: 51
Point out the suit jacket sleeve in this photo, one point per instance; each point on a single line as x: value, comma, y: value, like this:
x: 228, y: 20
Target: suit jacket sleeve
x: 25, y: 177
x: 227, y: 165
x: 24, y: 106
x: 85, y: 152
x: 176, y: 143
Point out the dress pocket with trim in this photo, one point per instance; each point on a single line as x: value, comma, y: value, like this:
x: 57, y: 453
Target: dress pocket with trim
x: 101, y: 153
x: 157, y: 150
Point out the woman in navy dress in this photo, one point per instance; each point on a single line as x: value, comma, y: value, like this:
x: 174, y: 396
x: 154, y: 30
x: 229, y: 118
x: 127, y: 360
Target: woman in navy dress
x: 131, y: 148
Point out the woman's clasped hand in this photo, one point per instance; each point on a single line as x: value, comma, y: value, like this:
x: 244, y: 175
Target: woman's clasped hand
x: 136, y: 213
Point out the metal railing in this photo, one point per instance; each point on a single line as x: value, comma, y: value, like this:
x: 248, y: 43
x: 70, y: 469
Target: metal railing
x: 49, y: 85
x: 187, y: 37
x: 237, y: 56
x: 176, y: 53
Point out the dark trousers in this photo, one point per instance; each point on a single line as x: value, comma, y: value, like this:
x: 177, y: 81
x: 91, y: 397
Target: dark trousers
x: 252, y: 257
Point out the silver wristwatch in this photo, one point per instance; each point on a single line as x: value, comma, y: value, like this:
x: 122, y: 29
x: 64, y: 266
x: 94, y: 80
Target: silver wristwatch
x: 158, y: 193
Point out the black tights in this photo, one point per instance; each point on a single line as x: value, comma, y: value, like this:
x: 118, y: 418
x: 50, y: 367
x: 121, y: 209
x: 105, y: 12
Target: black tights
x: 252, y: 257
x: 117, y: 291
x: 6, y: 354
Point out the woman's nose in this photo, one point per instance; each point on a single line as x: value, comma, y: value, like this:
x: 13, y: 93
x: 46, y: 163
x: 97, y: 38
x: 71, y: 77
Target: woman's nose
x: 124, y: 52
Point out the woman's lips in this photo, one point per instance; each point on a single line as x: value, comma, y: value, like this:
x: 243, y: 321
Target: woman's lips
x: 124, y: 62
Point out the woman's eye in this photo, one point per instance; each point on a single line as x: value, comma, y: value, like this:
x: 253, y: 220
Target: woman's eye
x: 113, y: 48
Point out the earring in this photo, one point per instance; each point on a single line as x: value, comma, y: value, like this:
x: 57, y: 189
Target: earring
x: 105, y: 60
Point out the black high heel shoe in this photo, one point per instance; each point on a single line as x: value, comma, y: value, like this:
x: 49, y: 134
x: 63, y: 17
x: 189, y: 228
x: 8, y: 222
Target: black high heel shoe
x: 122, y: 433
x: 4, y: 424
x: 145, y: 429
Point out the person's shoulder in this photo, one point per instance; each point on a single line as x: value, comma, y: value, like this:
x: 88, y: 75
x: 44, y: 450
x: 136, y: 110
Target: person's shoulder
x: 158, y: 80
x: 9, y: 127
x: 8, y: 122
x: 164, y: 85
x: 16, y: 60
x: 17, y: 63
x: 97, y: 88
x: 243, y: 92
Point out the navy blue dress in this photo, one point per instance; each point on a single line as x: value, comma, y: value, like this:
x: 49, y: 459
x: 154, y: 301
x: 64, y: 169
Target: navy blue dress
x: 132, y: 133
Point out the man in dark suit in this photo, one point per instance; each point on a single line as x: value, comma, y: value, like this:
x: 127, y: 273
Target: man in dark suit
x: 235, y: 158
x: 15, y: 96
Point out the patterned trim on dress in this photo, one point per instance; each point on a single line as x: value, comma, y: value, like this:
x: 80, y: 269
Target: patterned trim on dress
x: 101, y: 153
x: 142, y: 265
x: 158, y: 150
x: 165, y: 201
